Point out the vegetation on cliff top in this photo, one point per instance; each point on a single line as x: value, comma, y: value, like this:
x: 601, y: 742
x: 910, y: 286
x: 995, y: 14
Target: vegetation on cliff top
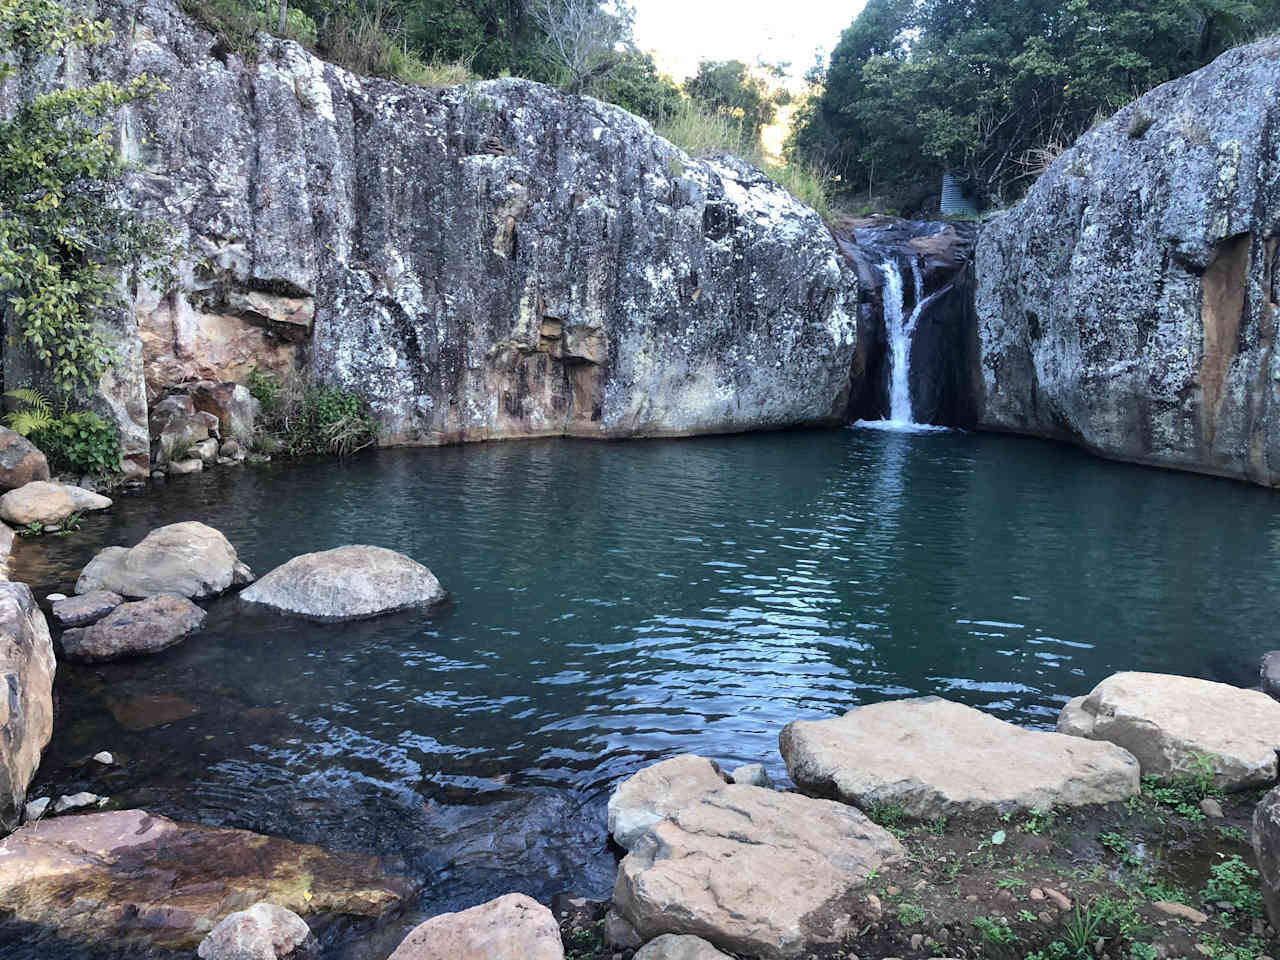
x: 995, y: 89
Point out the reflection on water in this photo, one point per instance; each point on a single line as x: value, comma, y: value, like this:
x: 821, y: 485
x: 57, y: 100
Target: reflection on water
x: 616, y: 603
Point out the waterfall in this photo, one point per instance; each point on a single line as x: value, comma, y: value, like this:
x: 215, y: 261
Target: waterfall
x: 899, y: 330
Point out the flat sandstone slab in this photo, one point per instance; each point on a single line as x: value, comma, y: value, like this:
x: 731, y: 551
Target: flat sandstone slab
x: 938, y: 758
x: 128, y: 875
x: 752, y: 870
x: 1167, y: 722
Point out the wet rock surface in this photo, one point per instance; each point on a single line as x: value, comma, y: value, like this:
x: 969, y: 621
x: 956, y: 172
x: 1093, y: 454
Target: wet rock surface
x: 132, y: 629
x: 1174, y: 724
x: 1128, y: 303
x: 347, y: 583
x: 936, y: 758
x: 513, y: 927
x: 189, y: 559
x: 151, y: 882
x: 26, y: 711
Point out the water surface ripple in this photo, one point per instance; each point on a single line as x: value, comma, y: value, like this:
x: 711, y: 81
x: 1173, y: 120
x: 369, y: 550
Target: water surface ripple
x: 616, y: 603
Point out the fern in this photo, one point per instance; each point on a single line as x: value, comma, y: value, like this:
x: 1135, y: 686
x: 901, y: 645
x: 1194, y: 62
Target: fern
x: 36, y: 416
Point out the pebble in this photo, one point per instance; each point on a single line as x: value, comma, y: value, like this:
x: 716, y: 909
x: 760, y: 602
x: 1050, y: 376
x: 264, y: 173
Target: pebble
x: 104, y: 758
x: 76, y: 801
x: 920, y: 885
x: 972, y: 898
x: 1180, y: 910
x: 1046, y: 918
x: 1211, y: 808
x: 917, y: 941
x: 55, y: 597
x: 892, y: 891
x: 752, y: 774
x: 35, y: 809
x: 876, y: 907
x: 1060, y: 900
x: 1037, y: 893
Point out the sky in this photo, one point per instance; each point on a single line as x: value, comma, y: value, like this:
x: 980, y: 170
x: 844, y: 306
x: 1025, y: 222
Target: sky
x: 679, y: 33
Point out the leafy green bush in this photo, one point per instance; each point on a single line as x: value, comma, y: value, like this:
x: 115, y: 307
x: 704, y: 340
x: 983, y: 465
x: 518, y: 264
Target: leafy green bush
x: 298, y: 418
x: 80, y: 443
x: 1235, y: 882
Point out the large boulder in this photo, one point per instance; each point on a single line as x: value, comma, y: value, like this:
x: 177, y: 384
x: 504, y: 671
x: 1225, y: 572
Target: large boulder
x: 131, y: 876
x: 20, y: 461
x: 514, y: 927
x: 133, y: 629
x: 658, y: 790
x: 1128, y: 303
x: 1265, y: 836
x: 1179, y: 725
x: 347, y: 583
x: 753, y: 871
x: 479, y: 262
x: 937, y: 758
x: 263, y: 932
x: 40, y: 501
x: 189, y: 559
x: 26, y: 711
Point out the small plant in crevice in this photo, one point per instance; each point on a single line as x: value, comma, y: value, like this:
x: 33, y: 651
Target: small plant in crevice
x: 298, y: 418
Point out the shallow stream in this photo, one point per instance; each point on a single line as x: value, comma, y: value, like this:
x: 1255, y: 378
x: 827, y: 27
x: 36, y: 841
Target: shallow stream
x: 612, y: 604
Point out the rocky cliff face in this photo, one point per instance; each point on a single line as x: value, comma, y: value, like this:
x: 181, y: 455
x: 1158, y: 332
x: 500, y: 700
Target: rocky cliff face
x: 488, y: 261
x: 1128, y: 303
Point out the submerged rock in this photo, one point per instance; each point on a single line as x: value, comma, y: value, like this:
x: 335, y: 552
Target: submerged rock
x: 40, y: 501
x: 263, y: 932
x: 190, y: 559
x: 21, y: 461
x: 514, y: 927
x: 132, y: 629
x: 85, y: 609
x: 754, y: 871
x: 1182, y: 725
x: 26, y: 710
x: 937, y: 758
x: 1128, y: 304
x: 147, y: 711
x: 131, y: 876
x: 658, y: 790
x: 347, y: 583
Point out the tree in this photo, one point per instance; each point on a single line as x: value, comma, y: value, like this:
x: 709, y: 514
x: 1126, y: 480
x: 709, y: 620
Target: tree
x: 727, y: 87
x: 582, y: 41
x: 63, y: 236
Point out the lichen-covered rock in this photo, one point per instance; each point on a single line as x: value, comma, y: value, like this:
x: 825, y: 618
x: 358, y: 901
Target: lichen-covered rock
x: 190, y: 559
x: 1128, y: 304
x: 133, y: 629
x: 935, y: 758
x: 26, y: 711
x: 513, y: 927
x: 347, y: 583
x: 130, y: 876
x: 484, y: 261
x: 1177, y: 726
x: 20, y: 461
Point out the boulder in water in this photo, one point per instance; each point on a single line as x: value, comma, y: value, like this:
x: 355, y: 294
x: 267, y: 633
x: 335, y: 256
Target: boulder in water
x: 26, y: 674
x: 937, y: 758
x: 263, y: 932
x: 347, y: 583
x: 513, y: 927
x: 40, y: 501
x: 80, y: 611
x: 190, y: 559
x: 1177, y: 726
x: 131, y: 629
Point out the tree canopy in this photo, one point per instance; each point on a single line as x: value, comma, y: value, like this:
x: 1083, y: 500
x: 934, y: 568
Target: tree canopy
x: 989, y: 88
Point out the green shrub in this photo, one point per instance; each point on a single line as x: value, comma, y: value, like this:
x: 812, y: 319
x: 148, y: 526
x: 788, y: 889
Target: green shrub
x: 298, y: 418
x: 995, y: 930
x: 80, y: 443
x: 1235, y: 882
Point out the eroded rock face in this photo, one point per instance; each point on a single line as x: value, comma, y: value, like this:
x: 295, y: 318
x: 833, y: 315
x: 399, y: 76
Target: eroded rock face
x: 1173, y: 724
x: 496, y: 260
x: 190, y: 559
x: 653, y: 793
x: 26, y: 711
x: 938, y: 758
x: 154, y: 882
x: 751, y: 870
x: 133, y: 629
x: 263, y: 932
x: 20, y: 461
x: 1128, y: 304
x: 347, y: 583
x: 514, y: 927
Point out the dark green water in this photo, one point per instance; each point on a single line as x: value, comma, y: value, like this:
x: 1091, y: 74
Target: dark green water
x: 617, y: 603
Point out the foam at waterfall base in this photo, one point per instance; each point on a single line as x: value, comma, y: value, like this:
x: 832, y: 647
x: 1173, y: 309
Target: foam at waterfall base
x: 898, y: 426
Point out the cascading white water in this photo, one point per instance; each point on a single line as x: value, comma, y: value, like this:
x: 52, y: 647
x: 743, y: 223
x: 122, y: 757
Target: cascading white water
x: 900, y: 330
